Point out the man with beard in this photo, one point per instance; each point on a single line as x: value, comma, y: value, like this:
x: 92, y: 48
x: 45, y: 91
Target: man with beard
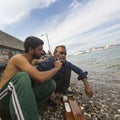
x: 17, y: 77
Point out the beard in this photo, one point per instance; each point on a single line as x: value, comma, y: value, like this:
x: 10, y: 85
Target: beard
x: 36, y: 56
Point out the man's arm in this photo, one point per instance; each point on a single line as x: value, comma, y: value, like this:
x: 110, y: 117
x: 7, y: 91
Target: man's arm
x: 46, y: 65
x: 83, y: 77
x: 76, y: 69
x: 88, y: 89
x: 25, y: 66
x: 37, y: 61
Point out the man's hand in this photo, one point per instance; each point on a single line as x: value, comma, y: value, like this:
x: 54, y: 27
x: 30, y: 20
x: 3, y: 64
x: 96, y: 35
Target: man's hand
x: 58, y: 64
x: 40, y: 60
x: 37, y: 61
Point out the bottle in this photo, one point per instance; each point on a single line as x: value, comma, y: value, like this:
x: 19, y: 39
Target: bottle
x: 67, y: 108
x: 72, y: 110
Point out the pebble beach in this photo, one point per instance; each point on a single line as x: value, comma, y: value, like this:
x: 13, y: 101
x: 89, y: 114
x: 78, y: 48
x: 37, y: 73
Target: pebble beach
x: 104, y: 105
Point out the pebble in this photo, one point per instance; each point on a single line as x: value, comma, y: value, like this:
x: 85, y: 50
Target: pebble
x: 104, y: 105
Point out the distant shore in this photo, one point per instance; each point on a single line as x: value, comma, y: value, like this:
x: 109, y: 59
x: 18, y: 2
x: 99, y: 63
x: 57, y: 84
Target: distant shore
x: 96, y: 49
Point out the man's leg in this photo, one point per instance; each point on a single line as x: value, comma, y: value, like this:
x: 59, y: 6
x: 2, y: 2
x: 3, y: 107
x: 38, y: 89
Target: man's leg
x: 43, y: 91
x: 22, y: 84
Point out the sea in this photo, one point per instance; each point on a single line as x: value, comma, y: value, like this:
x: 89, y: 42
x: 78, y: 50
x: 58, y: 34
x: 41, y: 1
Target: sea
x: 103, y: 66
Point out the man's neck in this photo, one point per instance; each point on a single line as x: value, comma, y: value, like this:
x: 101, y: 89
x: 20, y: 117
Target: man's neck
x: 28, y: 57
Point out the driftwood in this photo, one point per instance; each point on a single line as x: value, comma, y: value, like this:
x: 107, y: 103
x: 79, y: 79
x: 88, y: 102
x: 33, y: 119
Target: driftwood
x: 72, y: 110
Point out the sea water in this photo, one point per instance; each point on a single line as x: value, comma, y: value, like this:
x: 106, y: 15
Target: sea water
x: 102, y: 66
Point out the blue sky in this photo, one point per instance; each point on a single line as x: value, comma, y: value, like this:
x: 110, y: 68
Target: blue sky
x: 78, y: 24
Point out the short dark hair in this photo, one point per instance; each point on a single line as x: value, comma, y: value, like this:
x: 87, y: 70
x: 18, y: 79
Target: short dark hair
x: 32, y: 42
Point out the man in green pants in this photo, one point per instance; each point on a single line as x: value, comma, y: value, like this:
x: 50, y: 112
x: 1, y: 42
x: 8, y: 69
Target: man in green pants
x: 16, y: 81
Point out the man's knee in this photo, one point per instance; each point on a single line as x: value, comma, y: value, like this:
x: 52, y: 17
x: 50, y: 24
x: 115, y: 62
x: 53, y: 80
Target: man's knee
x: 22, y: 80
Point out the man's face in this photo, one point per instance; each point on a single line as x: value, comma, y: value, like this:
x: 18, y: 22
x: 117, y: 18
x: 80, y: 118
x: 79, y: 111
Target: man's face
x: 38, y: 51
x: 60, y: 53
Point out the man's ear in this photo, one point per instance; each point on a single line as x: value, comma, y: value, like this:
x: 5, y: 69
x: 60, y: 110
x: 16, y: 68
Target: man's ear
x: 30, y: 48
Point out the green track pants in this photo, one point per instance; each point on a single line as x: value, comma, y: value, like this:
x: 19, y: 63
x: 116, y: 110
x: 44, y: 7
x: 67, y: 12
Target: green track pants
x: 30, y: 97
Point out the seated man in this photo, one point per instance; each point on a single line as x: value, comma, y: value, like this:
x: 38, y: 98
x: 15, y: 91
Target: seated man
x: 19, y: 72
x: 62, y: 77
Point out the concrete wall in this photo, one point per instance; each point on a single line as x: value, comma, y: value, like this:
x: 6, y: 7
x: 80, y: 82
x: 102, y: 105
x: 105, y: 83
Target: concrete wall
x: 6, y: 53
x: 9, y: 46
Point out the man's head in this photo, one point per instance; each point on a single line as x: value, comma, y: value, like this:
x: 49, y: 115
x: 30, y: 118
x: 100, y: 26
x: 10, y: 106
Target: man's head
x: 34, y: 46
x: 60, y: 52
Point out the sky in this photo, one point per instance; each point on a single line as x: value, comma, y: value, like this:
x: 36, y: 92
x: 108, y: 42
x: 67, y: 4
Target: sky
x: 77, y: 24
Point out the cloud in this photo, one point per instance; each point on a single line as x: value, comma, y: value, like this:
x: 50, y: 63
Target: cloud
x: 15, y: 10
x: 82, y: 18
x: 84, y: 23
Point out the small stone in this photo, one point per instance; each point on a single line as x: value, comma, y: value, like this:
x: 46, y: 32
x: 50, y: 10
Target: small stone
x: 119, y: 110
x: 116, y: 116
